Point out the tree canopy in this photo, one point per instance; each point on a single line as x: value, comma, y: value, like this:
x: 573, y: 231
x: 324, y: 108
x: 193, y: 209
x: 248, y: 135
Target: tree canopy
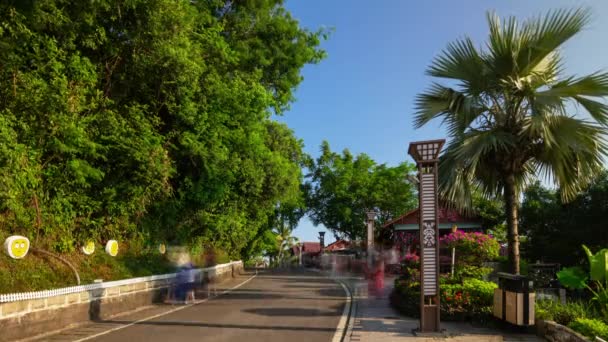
x: 148, y: 119
x: 341, y: 188
x: 507, y: 112
x: 556, y: 230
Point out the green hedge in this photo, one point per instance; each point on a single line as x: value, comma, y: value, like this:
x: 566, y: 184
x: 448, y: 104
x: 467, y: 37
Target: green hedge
x: 563, y: 314
x: 470, y: 300
x: 590, y: 327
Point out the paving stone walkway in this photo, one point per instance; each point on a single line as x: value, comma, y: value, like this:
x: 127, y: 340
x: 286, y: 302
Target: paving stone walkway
x: 376, y: 321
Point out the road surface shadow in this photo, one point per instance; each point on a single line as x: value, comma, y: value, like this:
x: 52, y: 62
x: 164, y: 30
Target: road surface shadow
x: 244, y: 295
x: 292, y: 312
x: 224, y: 326
x: 320, y: 286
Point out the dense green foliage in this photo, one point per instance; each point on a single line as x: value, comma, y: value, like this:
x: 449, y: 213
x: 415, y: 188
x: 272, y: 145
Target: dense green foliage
x: 590, y: 327
x: 563, y: 314
x: 37, y: 272
x: 556, y: 230
x: 576, y: 278
x: 149, y: 120
x: 341, y: 188
x: 508, y: 116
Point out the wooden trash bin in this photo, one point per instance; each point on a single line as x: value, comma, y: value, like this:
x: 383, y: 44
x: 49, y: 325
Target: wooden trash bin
x: 514, y: 299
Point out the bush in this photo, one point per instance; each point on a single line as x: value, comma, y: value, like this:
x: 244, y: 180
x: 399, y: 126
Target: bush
x: 590, y: 327
x: 472, y: 248
x: 471, y: 272
x: 405, y: 298
x: 524, y: 266
x: 470, y: 299
x: 563, y: 314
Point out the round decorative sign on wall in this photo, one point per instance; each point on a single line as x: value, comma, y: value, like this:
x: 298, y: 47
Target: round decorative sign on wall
x: 88, y: 248
x: 112, y: 247
x: 16, y: 246
x: 162, y: 248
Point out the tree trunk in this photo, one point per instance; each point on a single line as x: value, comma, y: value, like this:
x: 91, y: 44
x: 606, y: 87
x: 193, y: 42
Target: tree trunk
x: 511, y: 207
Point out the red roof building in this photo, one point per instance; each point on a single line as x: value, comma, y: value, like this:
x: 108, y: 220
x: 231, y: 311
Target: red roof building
x: 339, y: 245
x: 448, y: 218
x: 307, y: 248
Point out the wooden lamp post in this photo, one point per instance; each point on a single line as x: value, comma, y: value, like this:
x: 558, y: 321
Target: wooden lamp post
x: 426, y: 155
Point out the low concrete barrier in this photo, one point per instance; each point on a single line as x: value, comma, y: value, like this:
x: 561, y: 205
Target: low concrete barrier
x: 30, y: 314
x: 555, y: 332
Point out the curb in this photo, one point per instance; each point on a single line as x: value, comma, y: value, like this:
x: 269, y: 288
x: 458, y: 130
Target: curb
x: 343, y: 324
x: 353, y: 314
x: 347, y: 321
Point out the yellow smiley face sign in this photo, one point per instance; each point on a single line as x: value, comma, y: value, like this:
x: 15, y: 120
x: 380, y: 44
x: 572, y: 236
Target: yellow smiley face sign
x: 162, y: 248
x: 112, y: 247
x: 16, y: 246
x: 88, y: 248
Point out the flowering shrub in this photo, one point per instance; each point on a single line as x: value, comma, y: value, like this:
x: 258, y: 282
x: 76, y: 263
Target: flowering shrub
x: 472, y: 248
x: 464, y: 295
x: 410, y: 267
x: 406, y: 242
x: 472, y: 298
x: 411, y: 259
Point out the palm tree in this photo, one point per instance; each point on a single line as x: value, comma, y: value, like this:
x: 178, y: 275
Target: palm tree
x: 284, y: 238
x: 508, y: 111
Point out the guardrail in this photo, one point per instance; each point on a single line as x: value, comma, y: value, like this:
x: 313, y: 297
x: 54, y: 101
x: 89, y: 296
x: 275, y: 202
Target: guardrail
x: 29, y: 314
x: 12, y: 297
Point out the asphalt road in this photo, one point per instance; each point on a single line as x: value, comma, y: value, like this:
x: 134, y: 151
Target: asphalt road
x: 294, y: 306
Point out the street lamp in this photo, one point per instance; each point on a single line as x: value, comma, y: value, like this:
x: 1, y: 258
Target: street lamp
x: 322, y: 240
x: 426, y: 155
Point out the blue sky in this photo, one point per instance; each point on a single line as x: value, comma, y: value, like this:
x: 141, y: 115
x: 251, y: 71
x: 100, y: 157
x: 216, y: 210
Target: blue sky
x: 362, y: 96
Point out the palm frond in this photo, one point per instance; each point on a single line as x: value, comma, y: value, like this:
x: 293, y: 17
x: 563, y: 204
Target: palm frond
x: 579, y: 89
x: 459, y: 61
x: 597, y: 110
x: 478, y: 145
x: 502, y: 43
x: 595, y: 84
x: 548, y: 33
x: 458, y: 109
x: 456, y: 181
x: 571, y: 151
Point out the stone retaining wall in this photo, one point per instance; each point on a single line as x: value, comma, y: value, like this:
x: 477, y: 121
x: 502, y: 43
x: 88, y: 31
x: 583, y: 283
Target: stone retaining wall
x: 555, y: 332
x: 30, y: 314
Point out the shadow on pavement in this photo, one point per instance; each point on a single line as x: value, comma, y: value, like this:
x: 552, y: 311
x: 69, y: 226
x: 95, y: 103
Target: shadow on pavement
x: 226, y: 326
x: 306, y: 286
x: 293, y: 312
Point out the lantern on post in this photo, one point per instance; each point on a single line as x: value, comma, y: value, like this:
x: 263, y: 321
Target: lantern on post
x: 426, y: 155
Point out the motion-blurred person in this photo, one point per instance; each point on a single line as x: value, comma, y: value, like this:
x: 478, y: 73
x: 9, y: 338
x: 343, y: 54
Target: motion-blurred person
x: 375, y: 285
x: 186, y: 281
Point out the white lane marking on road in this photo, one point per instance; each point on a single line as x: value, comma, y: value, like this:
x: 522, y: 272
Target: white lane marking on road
x: 164, y: 313
x: 344, y: 319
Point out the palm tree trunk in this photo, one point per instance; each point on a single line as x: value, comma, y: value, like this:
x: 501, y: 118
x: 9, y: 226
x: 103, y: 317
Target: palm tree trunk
x: 511, y: 208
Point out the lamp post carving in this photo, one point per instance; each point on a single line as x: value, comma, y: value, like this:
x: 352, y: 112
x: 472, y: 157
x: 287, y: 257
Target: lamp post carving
x: 426, y: 155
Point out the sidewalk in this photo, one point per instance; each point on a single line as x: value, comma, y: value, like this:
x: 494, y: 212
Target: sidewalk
x: 375, y: 320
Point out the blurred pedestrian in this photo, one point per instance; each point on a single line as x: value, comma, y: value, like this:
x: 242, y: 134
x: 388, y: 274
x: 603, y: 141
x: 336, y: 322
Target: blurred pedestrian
x: 376, y: 275
x: 186, y: 282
